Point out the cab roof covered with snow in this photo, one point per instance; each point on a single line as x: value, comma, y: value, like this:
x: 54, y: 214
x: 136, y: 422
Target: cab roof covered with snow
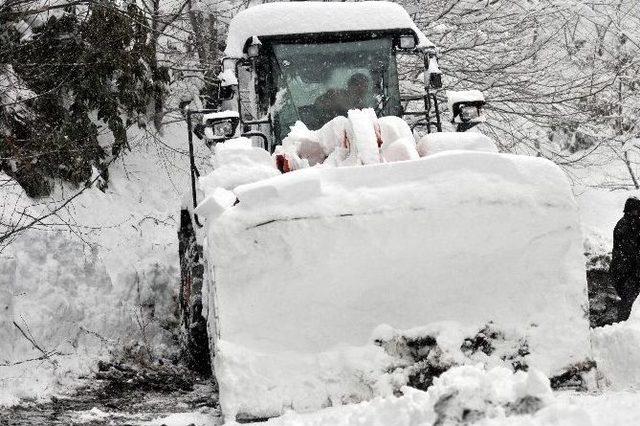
x: 304, y: 18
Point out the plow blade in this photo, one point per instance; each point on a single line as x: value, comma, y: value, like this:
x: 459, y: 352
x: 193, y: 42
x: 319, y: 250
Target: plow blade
x: 315, y: 260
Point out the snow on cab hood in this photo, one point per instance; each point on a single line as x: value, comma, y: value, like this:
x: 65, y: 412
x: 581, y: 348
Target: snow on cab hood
x: 273, y: 19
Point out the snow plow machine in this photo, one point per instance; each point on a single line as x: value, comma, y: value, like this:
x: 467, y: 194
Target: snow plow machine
x: 327, y: 224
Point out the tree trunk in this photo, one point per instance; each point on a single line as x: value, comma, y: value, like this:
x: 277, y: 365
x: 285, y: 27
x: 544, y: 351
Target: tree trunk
x: 196, y: 20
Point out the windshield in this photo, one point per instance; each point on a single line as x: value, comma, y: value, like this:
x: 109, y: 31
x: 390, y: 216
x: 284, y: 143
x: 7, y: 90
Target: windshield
x: 317, y: 82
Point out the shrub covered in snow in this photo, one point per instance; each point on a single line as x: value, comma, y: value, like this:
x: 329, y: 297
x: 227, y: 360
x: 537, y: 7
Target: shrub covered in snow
x: 116, y: 78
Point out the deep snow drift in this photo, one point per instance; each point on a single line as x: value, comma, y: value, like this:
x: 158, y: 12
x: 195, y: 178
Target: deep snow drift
x: 102, y: 275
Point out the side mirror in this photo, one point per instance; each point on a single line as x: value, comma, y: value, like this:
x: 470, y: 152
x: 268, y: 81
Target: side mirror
x: 219, y: 126
x: 467, y: 108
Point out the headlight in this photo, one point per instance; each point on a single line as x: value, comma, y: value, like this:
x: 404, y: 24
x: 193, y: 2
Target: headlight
x: 220, y: 125
x: 469, y: 112
x: 223, y: 129
x: 407, y: 42
x: 467, y: 108
x: 219, y: 130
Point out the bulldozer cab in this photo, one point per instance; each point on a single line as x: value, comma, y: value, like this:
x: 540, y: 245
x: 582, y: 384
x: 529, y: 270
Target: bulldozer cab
x: 313, y: 61
x: 316, y: 81
x: 282, y: 66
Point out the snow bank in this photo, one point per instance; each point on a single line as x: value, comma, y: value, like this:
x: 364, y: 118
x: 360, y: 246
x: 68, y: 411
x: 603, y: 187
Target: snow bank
x: 283, y: 18
x: 415, y: 408
x: 94, y: 275
x: 462, y: 395
x: 56, y: 291
x: 615, y: 349
x: 317, y: 258
x: 264, y: 385
x: 261, y: 385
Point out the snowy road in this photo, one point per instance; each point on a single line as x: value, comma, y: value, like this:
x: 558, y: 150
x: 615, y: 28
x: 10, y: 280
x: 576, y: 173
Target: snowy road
x: 197, y: 408
x: 97, y: 406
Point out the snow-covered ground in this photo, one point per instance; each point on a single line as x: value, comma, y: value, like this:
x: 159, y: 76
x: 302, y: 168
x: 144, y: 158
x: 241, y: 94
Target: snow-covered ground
x: 497, y: 396
x: 418, y: 408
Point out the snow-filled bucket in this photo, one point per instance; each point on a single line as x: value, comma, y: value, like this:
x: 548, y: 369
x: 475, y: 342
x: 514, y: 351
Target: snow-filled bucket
x: 313, y: 260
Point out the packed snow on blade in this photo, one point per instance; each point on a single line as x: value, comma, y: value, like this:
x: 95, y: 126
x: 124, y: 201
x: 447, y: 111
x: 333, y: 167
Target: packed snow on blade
x: 304, y: 266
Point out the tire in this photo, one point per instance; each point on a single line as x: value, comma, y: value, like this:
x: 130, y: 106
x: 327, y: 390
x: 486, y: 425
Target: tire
x: 195, y: 341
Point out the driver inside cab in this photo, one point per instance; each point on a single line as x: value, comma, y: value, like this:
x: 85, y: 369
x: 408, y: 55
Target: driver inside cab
x: 337, y: 102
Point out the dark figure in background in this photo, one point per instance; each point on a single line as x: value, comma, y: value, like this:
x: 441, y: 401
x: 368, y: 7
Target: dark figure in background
x: 625, y: 261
